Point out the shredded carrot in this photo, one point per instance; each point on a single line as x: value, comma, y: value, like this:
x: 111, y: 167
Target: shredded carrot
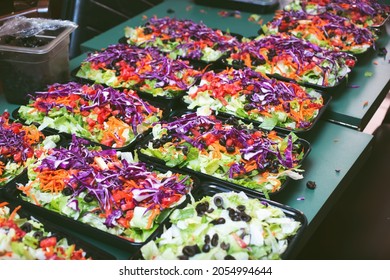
x: 155, y: 213
x: 52, y: 181
x: 13, y: 213
x: 2, y: 204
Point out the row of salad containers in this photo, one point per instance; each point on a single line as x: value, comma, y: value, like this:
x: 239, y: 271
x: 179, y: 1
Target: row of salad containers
x: 112, y: 154
x: 145, y: 208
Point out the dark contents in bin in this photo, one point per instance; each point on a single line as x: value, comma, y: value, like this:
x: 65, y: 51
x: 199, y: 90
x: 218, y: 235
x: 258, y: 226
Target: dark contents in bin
x: 27, y: 42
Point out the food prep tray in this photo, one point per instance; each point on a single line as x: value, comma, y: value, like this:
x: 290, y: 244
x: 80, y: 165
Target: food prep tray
x: 305, y: 146
x: 91, y: 251
x: 326, y: 96
x: 16, y: 196
x: 166, y: 103
x: 253, y: 6
x: 211, y: 188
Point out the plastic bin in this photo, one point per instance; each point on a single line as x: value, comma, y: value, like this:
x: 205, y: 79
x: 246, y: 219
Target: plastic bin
x: 24, y: 70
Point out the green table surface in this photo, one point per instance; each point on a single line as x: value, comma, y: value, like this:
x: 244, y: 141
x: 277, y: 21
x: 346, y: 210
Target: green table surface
x: 354, y: 101
x: 336, y: 156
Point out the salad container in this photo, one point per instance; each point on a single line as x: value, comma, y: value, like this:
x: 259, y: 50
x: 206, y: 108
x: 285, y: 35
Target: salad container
x: 370, y: 14
x: 153, y: 74
x: 104, y: 116
x: 226, y: 225
x: 226, y: 151
x: 289, y: 58
x: 252, y: 6
x: 326, y: 30
x: 182, y: 38
x: 252, y: 97
x: 19, y: 146
x: 101, y: 193
x: 39, y: 239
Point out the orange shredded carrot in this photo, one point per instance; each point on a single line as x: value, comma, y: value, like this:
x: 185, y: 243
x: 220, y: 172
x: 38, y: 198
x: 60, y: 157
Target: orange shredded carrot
x: 2, y: 204
x: 13, y: 213
x: 155, y: 213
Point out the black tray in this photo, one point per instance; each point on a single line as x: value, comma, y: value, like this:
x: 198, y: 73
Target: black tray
x: 327, y: 97
x: 327, y: 89
x: 21, y: 174
x: 166, y: 103
x: 68, y: 136
x: 15, y: 196
x: 92, y: 251
x: 210, y: 189
x: 205, y: 177
x: 253, y: 6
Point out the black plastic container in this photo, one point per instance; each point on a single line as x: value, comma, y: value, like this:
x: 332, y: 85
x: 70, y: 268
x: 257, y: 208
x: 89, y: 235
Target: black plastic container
x: 91, y: 251
x: 253, y: 6
x: 210, y: 189
x: 68, y: 136
x: 306, y: 147
x: 16, y: 196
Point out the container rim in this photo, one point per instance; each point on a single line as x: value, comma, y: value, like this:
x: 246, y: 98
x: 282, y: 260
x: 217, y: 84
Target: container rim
x: 43, y: 49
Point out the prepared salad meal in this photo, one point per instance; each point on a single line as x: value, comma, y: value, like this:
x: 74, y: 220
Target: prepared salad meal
x: 19, y: 144
x: 26, y: 238
x: 105, y: 189
x: 364, y: 13
x: 101, y: 114
x: 326, y: 30
x: 247, y: 94
x: 182, y: 38
x: 294, y: 59
x: 230, y: 151
x: 225, y: 226
x: 145, y: 69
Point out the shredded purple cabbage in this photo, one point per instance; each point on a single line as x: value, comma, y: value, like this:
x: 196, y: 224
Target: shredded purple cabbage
x: 101, y: 183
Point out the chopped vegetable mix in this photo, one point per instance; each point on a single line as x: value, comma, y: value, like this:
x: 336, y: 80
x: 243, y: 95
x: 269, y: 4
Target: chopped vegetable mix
x: 248, y: 95
x: 230, y: 151
x: 225, y: 226
x: 26, y: 238
x: 105, y: 189
x: 101, y: 114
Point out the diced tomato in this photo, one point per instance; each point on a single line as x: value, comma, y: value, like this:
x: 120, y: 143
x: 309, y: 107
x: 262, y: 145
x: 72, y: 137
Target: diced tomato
x: 48, y: 242
x: 350, y: 62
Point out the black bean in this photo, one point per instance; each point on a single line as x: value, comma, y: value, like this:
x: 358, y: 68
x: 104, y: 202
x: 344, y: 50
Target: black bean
x: 207, y: 238
x: 201, y: 208
x: 225, y: 246
x: 241, y: 208
x: 191, y: 250
x: 206, y: 248
x: 245, y: 217
x: 214, y: 240
x: 218, y: 221
x: 229, y: 257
